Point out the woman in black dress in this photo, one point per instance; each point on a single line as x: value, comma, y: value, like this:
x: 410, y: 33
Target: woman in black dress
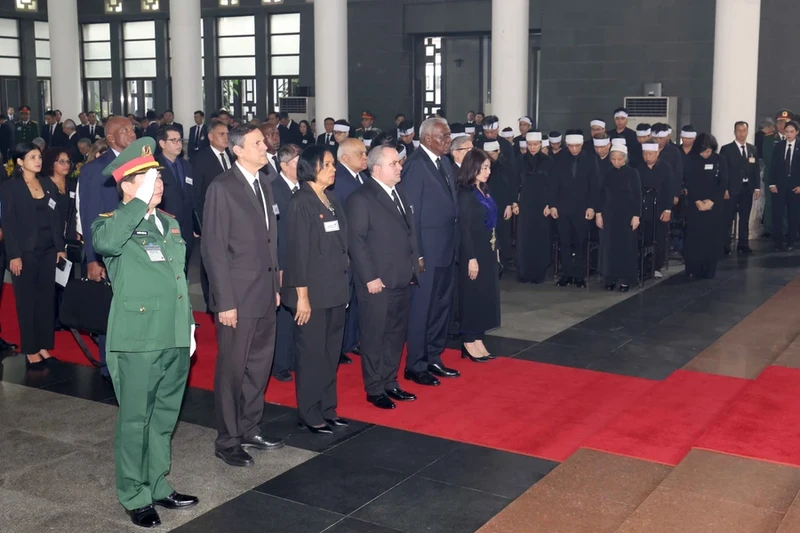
x: 316, y: 288
x: 618, y: 213
x: 705, y: 181
x: 505, y: 188
x: 534, y: 249
x: 479, y: 286
x: 33, y: 236
x: 308, y: 135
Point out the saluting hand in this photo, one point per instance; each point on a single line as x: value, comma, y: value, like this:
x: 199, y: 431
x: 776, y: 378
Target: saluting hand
x: 148, y: 187
x: 228, y: 318
x: 375, y: 286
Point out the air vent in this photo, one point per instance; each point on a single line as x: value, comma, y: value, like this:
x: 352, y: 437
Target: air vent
x: 647, y: 106
x: 294, y: 105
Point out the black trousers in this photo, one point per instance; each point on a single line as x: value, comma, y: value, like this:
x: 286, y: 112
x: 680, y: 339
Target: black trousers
x: 573, y: 231
x: 785, y: 203
x: 472, y: 337
x: 352, y: 331
x: 243, y: 364
x: 317, y: 347
x: 34, y: 290
x: 660, y: 240
x: 428, y: 322
x: 385, y: 319
x: 739, y: 204
x: 284, y: 341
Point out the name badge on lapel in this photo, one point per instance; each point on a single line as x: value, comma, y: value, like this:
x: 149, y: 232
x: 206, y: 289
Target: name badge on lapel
x: 189, y: 181
x: 332, y: 143
x: 51, y: 203
x: 154, y: 253
x: 72, y: 194
x: 333, y: 225
x: 275, y: 210
x: 708, y: 167
x: 141, y: 232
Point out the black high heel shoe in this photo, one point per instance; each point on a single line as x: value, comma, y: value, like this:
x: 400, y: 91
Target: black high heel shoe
x: 466, y: 355
x: 37, y: 365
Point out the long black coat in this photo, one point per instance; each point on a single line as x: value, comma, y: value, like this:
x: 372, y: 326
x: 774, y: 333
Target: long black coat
x: 504, y: 186
x: 533, y: 228
x: 705, y: 179
x: 620, y: 200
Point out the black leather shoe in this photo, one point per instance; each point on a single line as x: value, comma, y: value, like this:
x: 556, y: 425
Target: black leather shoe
x: 564, y: 281
x: 356, y: 350
x: 323, y: 430
x: 344, y: 360
x: 337, y: 422
x: 381, y: 401
x: 260, y: 443
x: 466, y: 355
x: 145, y: 517
x: 421, y: 378
x: 235, y: 456
x: 283, y: 375
x: 177, y: 501
x: 442, y: 371
x: 6, y: 346
x: 744, y: 250
x: 400, y: 395
x: 580, y: 283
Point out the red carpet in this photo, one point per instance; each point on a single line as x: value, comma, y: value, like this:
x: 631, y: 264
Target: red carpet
x: 763, y: 422
x: 667, y: 419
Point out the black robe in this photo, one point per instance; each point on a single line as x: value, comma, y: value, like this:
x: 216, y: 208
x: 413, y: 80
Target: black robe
x: 504, y: 186
x: 705, y: 179
x: 534, y: 248
x: 656, y: 198
x: 619, y: 201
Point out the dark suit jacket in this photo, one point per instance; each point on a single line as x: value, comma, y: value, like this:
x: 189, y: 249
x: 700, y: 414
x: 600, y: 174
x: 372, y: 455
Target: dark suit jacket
x: 201, y: 143
x: 179, y: 126
x: 290, y: 135
x: 178, y: 198
x: 317, y: 254
x: 205, y: 167
x: 332, y: 144
x: 58, y: 139
x: 740, y: 168
x: 98, y: 194
x: 344, y: 183
x: 283, y: 195
x: 778, y: 175
x: 99, y: 132
x: 434, y: 206
x: 572, y: 195
x: 269, y: 170
x: 240, y: 254
x: 6, y: 140
x: 383, y: 243
x: 152, y: 129
x: 20, y: 217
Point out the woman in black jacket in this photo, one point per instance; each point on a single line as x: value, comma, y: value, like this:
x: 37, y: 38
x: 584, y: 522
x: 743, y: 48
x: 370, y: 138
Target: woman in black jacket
x: 34, y: 239
x: 308, y: 135
x: 479, y: 286
x: 316, y: 288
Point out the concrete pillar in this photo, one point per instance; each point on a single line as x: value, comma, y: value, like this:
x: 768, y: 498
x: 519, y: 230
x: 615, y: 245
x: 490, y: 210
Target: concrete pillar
x: 510, y: 46
x: 187, y: 73
x: 65, y: 58
x: 735, y: 67
x: 330, y: 59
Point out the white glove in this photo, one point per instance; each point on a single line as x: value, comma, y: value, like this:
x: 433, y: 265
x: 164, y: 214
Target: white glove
x: 148, y: 186
x: 192, y: 341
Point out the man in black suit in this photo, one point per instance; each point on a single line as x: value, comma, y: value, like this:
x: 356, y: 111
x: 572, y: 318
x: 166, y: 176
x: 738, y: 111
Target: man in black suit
x: 384, y: 252
x: 72, y: 138
x: 744, y: 185
x: 92, y: 130
x: 178, y: 197
x: 206, y: 166
x: 428, y: 173
x: 240, y: 251
x: 327, y: 138
x: 352, y: 156
x: 52, y: 132
x: 284, y: 188
x: 198, y: 135
x: 152, y: 124
x: 289, y: 130
x: 6, y: 137
x: 169, y: 120
x: 82, y: 148
x: 272, y: 141
x: 784, y: 185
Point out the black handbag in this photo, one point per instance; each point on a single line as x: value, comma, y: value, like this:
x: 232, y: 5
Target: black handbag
x: 85, y: 305
x: 74, y: 249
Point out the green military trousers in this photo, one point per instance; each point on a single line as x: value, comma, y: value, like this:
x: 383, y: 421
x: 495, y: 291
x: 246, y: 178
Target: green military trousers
x: 149, y: 387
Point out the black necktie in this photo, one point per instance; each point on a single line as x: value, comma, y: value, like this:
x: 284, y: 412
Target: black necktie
x: 399, y: 206
x: 91, y: 131
x: 275, y: 160
x: 197, y: 138
x: 788, y: 159
x: 442, y: 171
x: 574, y: 166
x: 222, y: 159
x: 744, y: 152
x: 259, y: 197
x: 295, y: 189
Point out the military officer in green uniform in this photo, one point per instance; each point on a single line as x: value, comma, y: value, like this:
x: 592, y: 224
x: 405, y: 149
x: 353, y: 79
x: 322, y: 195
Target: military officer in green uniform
x: 25, y: 129
x: 150, y: 331
x: 367, y: 122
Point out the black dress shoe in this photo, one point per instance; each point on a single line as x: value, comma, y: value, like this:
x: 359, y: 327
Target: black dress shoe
x: 6, y: 346
x: 177, y: 501
x: 356, y: 350
x: 323, y: 430
x: 381, y: 401
x: 421, y: 378
x: 145, y: 517
x: 744, y: 250
x: 283, y: 375
x: 260, y: 443
x: 337, y: 422
x: 344, y: 360
x: 400, y: 395
x: 235, y: 456
x: 624, y: 288
x: 580, y: 283
x: 564, y: 281
x: 442, y: 371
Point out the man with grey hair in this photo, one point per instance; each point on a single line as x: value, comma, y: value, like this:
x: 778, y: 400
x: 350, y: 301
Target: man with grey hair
x: 70, y: 133
x: 384, y: 255
x: 82, y: 148
x: 459, y: 148
x: 40, y: 142
x: 428, y: 173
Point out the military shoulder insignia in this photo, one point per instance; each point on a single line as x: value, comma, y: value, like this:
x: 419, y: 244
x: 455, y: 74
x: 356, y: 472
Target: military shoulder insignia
x: 165, y: 213
x: 107, y: 215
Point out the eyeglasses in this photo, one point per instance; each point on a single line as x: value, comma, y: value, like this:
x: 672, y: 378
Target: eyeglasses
x: 175, y: 141
x: 63, y: 161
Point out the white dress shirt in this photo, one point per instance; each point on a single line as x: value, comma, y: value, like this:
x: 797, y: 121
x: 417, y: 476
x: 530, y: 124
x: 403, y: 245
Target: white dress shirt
x: 389, y: 191
x: 356, y: 175
x: 251, y: 180
x: 289, y: 182
x: 156, y: 220
x: 225, y: 154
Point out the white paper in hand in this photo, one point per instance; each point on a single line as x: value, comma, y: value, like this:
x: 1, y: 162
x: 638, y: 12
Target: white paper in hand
x: 62, y: 276
x: 192, y: 341
x: 148, y: 186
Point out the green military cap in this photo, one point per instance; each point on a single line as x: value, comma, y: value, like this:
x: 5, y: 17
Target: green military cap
x: 136, y: 158
x: 784, y: 114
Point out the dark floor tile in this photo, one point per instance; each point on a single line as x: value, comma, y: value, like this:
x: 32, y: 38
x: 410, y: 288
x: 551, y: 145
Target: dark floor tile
x: 86, y: 383
x: 607, y: 323
x: 253, y: 511
x: 494, y: 471
x: 556, y: 354
x: 285, y: 427
x: 680, y: 338
x: 394, y: 449
x: 425, y: 505
x: 332, y: 484
x: 351, y: 525
x: 656, y: 352
x: 13, y: 370
x: 581, y: 338
x: 635, y: 366
x: 198, y: 408
x: 506, y: 347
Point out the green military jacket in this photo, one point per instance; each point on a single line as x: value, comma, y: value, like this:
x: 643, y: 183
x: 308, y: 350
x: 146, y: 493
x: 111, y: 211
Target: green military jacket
x: 25, y: 133
x: 150, y: 309
x: 360, y: 132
